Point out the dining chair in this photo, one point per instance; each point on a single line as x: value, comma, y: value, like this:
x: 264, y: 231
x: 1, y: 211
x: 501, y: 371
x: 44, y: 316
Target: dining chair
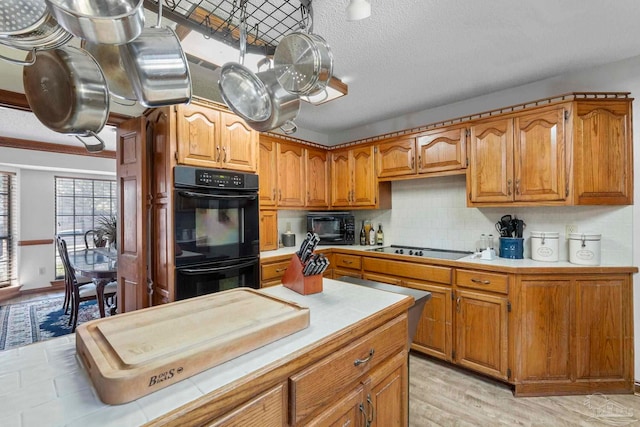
x: 80, y: 292
x: 95, y: 242
x: 68, y: 286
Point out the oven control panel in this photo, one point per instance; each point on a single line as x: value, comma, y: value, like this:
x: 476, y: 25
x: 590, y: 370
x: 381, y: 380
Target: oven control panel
x: 217, y: 179
x: 187, y: 176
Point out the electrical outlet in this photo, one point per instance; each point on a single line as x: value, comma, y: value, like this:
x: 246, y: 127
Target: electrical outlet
x: 42, y: 271
x: 570, y: 228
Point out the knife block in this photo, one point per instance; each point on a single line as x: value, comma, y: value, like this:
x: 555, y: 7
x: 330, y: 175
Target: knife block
x: 296, y: 281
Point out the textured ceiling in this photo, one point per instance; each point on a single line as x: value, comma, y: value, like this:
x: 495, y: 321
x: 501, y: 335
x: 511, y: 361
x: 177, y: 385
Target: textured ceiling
x: 414, y: 55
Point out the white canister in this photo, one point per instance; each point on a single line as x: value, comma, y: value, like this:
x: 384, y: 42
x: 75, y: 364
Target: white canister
x: 584, y: 248
x: 544, y: 245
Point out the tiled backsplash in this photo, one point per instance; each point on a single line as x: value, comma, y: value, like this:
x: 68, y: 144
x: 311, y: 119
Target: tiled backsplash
x: 432, y: 212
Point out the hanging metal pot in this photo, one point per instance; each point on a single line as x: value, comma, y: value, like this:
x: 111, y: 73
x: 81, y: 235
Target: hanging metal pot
x: 257, y: 97
x: 106, y: 21
x: 157, y: 66
x: 303, y: 61
x: 110, y: 60
x: 68, y: 92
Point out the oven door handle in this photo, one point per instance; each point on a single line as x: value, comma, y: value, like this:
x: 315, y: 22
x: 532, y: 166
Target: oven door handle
x: 217, y: 196
x: 194, y: 271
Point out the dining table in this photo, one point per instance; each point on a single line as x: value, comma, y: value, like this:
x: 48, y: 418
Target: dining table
x: 99, y: 264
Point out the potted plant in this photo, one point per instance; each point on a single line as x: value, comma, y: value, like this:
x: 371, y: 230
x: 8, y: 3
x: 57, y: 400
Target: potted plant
x: 107, y: 229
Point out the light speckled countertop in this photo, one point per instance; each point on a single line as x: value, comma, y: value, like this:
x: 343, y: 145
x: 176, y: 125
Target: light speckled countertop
x: 43, y: 384
x: 469, y: 261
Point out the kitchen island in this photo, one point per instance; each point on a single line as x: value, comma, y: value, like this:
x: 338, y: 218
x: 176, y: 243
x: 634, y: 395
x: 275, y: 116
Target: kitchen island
x: 307, y: 377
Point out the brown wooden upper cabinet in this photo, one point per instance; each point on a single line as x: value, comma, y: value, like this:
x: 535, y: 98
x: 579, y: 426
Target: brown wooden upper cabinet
x: 292, y: 175
x: 353, y: 180
x: 212, y: 138
x: 519, y: 159
x: 570, y: 153
x: 603, y: 153
x: 439, y: 151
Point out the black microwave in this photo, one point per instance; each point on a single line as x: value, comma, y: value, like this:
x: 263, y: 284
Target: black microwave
x: 333, y: 228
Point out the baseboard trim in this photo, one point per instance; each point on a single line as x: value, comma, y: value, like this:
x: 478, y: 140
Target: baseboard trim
x: 56, y: 285
x: 9, y: 292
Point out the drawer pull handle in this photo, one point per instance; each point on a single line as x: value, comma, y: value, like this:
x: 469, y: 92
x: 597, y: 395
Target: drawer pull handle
x: 373, y: 411
x: 347, y: 261
x: 280, y: 270
x: 482, y: 282
x: 358, y: 362
x: 364, y: 416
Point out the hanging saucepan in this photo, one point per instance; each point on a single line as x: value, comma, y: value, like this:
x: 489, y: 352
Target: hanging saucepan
x: 303, y: 62
x: 110, y: 60
x: 106, y: 21
x: 68, y: 92
x: 157, y: 66
x: 257, y: 97
x: 29, y: 29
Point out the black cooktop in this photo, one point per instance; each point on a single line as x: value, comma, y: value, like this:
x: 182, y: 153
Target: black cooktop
x: 422, y: 252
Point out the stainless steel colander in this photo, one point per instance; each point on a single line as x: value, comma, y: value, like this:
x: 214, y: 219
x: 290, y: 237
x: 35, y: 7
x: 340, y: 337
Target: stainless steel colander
x: 21, y: 16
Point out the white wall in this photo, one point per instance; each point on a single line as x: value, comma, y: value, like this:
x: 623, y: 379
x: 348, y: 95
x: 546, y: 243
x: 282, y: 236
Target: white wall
x: 36, y: 172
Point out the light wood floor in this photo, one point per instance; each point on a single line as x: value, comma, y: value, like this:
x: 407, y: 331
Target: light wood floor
x: 441, y: 395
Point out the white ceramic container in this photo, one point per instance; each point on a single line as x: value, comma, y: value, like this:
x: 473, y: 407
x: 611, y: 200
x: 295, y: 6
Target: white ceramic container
x: 584, y: 248
x: 544, y: 245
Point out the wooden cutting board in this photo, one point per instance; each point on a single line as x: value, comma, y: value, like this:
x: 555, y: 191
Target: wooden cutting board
x: 133, y: 354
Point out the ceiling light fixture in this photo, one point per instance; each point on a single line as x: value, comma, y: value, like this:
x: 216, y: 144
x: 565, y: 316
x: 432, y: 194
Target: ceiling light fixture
x: 358, y: 9
x: 335, y: 89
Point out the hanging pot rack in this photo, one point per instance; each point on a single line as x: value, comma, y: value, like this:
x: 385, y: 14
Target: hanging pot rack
x: 267, y: 20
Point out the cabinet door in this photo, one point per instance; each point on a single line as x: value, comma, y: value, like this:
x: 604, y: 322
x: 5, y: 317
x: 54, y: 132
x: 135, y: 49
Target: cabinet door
x: 490, y: 173
x: 133, y: 208
x: 442, y: 150
x: 604, y: 336
x: 291, y: 176
x: 267, y: 409
x: 238, y: 144
x: 364, y: 178
x: 268, y: 172
x: 347, y: 411
x: 539, y: 156
x: 268, y: 230
x: 198, y: 135
x: 386, y: 403
x: 481, y: 333
x: 543, y: 342
x: 603, y: 153
x: 396, y: 157
x: 317, y: 178
x: 434, y: 333
x: 341, y: 180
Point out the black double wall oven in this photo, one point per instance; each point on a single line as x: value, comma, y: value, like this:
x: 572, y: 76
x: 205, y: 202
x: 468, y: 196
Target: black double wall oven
x: 216, y: 231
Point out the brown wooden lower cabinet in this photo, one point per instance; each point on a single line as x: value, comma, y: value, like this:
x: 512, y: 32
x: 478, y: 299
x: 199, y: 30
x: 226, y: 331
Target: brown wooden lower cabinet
x: 269, y: 407
x: 546, y: 333
x: 573, y: 334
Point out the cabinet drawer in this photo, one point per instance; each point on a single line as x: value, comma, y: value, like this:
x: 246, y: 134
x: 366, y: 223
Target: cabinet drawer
x: 318, y: 385
x: 428, y: 273
x: 273, y: 270
x: 484, y: 281
x: 347, y: 261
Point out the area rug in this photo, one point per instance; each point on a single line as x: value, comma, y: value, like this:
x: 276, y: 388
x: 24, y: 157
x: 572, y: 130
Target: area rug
x: 22, y: 324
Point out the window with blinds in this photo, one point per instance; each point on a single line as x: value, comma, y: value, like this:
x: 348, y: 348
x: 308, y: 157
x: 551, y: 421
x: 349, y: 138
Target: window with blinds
x: 7, y: 229
x: 79, y: 205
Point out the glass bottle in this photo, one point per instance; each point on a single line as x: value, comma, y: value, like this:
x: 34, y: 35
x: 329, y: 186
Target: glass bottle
x: 379, y: 236
x: 372, y: 235
x: 363, y: 235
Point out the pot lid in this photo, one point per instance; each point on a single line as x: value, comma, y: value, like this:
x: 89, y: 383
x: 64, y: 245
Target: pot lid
x: 244, y: 93
x: 296, y: 63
